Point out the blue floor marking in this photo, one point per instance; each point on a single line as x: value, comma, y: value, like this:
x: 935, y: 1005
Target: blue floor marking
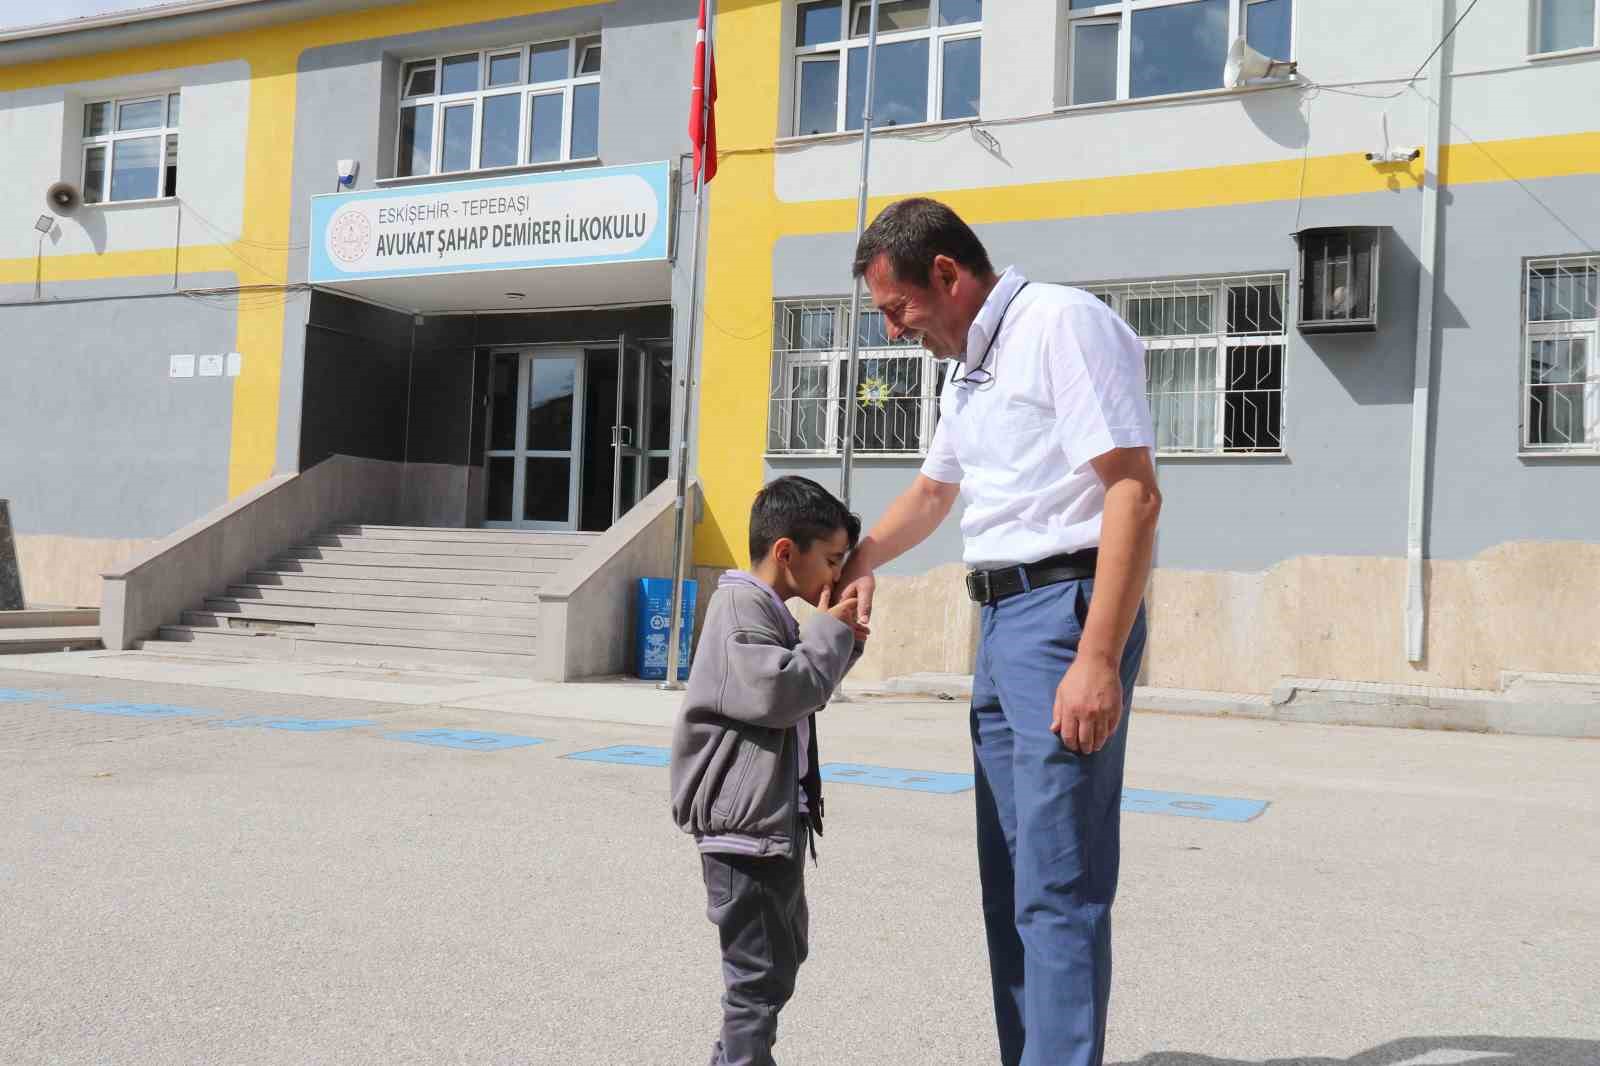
x: 17, y: 695
x: 1185, y: 805
x: 883, y: 777
x: 466, y: 739
x: 300, y: 725
x: 137, y: 710
x: 628, y: 754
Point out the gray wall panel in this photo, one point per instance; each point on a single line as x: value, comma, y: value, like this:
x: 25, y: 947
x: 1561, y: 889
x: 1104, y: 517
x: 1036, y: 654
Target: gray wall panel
x: 96, y: 440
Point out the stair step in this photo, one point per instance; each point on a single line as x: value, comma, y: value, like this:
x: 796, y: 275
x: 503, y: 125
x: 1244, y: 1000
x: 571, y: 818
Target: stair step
x: 460, y: 549
x: 356, y: 634
x: 215, y: 643
x: 443, y: 535
x: 48, y: 638
x: 506, y: 564
x: 366, y: 584
x: 408, y: 576
x: 246, y: 609
x: 427, y: 604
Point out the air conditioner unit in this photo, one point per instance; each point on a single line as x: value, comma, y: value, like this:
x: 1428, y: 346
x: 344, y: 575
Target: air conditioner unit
x: 1339, y: 271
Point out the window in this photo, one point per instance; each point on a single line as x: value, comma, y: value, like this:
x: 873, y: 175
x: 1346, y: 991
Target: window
x: 897, y: 383
x: 929, y: 59
x: 130, y: 149
x: 1128, y: 49
x: 1560, y: 25
x: 500, y: 108
x: 1561, y: 380
x: 1214, y: 353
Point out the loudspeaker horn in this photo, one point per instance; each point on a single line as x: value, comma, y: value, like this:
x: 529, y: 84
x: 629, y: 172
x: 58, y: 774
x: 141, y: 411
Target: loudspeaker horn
x: 63, y: 197
x: 1246, y: 64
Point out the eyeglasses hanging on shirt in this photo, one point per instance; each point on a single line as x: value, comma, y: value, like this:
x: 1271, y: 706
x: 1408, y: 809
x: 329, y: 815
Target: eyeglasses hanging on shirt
x: 980, y: 375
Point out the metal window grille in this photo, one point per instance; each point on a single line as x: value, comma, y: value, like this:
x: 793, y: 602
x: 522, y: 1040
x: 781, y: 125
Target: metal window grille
x: 1561, y: 355
x: 1214, y: 359
x: 897, y: 384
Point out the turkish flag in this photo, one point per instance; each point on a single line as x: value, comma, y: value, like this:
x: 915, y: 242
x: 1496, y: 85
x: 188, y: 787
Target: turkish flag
x: 703, y: 116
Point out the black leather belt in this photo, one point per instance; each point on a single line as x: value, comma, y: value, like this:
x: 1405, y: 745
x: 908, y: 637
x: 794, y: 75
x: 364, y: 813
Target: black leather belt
x: 992, y: 586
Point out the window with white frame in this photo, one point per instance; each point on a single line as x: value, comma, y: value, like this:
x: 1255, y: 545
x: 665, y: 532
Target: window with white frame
x: 1129, y: 49
x: 1562, y: 25
x: 896, y: 383
x: 130, y: 148
x: 1214, y: 360
x: 1561, y: 371
x: 505, y: 107
x: 929, y: 58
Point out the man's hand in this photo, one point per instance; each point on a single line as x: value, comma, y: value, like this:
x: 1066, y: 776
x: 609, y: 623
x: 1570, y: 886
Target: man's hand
x: 1088, y: 704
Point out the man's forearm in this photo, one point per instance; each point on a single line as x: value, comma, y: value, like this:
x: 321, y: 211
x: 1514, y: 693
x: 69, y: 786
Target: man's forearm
x: 910, y: 520
x: 1127, y: 546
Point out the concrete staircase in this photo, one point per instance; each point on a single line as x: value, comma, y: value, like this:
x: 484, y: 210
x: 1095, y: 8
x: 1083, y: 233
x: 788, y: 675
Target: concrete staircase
x: 463, y: 600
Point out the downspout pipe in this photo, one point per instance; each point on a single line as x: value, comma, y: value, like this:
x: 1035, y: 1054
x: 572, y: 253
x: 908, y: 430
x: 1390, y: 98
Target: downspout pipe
x: 1422, y: 395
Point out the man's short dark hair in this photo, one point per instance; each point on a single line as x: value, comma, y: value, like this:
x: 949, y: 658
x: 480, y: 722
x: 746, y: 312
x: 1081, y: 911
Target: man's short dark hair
x: 800, y: 509
x: 912, y: 233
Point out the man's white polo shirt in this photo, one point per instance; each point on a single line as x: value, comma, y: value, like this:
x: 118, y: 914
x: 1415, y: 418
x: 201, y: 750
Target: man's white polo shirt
x: 1052, y: 379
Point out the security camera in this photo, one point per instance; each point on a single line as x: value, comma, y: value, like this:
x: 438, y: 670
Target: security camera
x: 1395, y: 155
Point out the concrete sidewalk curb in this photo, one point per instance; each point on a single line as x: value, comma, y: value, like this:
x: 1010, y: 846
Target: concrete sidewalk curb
x: 1543, y: 705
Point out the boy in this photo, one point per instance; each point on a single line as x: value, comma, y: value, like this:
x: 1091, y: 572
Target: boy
x: 745, y: 778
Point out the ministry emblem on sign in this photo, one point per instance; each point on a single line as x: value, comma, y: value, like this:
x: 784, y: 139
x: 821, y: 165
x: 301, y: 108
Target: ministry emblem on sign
x: 349, y: 235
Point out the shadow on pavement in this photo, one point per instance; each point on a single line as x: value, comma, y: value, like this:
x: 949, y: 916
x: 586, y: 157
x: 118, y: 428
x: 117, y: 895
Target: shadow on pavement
x: 1419, y: 1051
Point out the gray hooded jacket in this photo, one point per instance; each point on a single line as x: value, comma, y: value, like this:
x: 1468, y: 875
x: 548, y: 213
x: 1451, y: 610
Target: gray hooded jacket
x: 756, y: 675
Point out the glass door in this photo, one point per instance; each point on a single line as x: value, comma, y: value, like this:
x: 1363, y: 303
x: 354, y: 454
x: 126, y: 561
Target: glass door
x: 534, y: 456
x: 627, y: 436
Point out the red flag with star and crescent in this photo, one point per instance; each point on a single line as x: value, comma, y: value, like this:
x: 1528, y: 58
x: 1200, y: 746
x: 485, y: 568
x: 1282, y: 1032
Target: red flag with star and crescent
x: 703, y: 116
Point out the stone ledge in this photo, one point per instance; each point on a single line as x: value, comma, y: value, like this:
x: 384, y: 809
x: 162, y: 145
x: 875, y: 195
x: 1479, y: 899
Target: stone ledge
x: 1327, y: 702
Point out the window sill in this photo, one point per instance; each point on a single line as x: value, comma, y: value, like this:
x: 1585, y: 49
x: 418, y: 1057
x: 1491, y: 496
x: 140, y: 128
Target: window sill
x: 1198, y: 96
x: 1226, y: 457
x: 493, y: 172
x: 148, y: 201
x: 1585, y: 451
x: 805, y: 140
x: 834, y: 457
x: 1568, y: 53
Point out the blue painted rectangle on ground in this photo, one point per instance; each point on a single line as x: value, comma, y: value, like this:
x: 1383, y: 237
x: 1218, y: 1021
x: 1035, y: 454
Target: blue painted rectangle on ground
x: 627, y: 754
x: 300, y: 725
x: 17, y: 695
x: 465, y: 739
x: 137, y: 710
x: 884, y: 777
x: 1184, y: 805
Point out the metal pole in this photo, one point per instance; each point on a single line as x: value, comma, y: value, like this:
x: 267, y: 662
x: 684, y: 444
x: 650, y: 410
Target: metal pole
x: 1421, y: 394
x: 680, y: 546
x: 848, y: 460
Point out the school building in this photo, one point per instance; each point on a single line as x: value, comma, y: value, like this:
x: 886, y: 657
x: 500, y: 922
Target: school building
x: 364, y: 342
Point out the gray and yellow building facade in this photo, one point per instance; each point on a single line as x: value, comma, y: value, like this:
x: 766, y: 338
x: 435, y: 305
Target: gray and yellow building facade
x: 1368, y: 293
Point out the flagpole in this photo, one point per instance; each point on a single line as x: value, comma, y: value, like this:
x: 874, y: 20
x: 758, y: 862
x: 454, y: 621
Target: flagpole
x: 680, y: 546
x: 848, y: 457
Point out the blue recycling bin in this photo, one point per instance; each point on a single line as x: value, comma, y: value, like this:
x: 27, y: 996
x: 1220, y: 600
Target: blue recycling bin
x: 651, y: 628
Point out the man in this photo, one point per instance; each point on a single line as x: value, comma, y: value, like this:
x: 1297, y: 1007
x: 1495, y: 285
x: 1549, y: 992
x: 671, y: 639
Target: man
x: 1045, y: 432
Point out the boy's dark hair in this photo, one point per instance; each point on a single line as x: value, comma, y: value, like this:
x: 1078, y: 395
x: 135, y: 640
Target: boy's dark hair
x: 912, y: 233
x: 800, y: 509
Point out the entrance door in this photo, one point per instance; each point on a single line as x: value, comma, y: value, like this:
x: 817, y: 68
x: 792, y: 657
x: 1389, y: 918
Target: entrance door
x: 535, y: 453
x: 576, y: 437
x: 640, y: 425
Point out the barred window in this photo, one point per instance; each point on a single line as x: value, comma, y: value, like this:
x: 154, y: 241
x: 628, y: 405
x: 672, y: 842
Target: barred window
x: 1561, y: 365
x: 1214, y: 355
x: 897, y: 383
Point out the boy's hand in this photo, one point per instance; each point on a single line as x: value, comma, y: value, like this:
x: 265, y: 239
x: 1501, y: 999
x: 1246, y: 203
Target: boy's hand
x: 847, y: 610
